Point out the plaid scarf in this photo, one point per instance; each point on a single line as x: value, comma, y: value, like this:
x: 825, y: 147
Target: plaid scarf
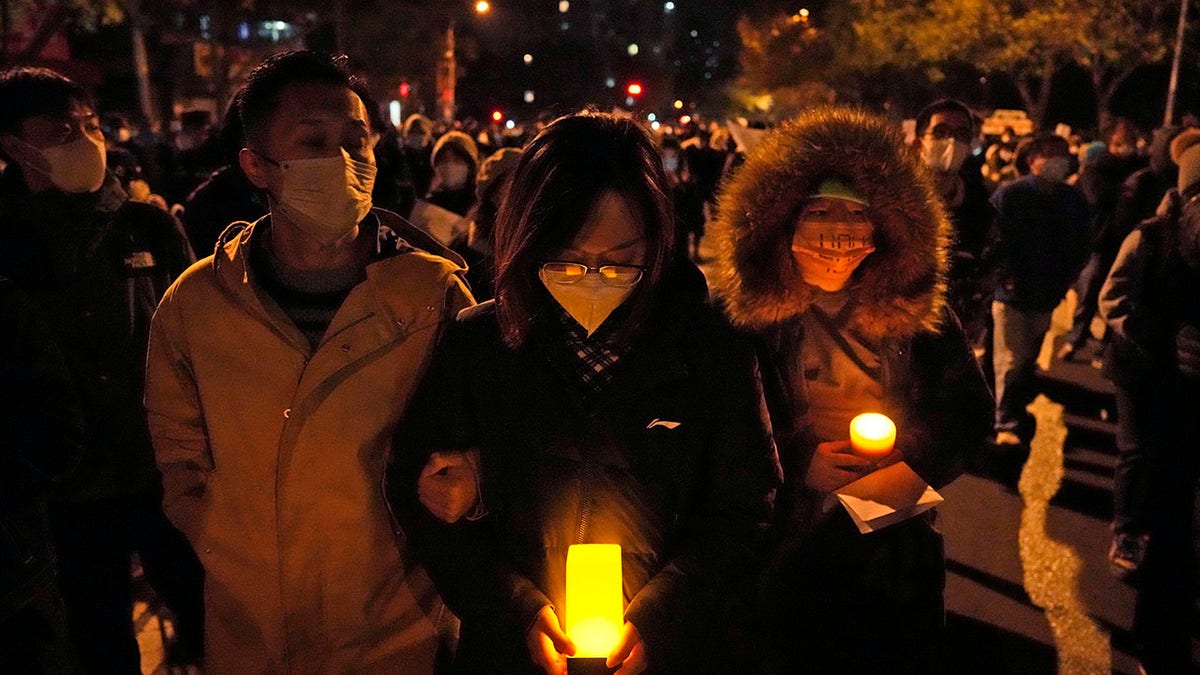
x: 594, y: 355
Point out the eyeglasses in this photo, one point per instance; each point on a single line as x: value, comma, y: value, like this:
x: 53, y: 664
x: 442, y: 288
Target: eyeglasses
x: 610, y: 275
x: 944, y: 132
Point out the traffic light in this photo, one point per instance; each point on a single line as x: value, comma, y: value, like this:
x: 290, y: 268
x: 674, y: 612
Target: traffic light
x: 405, y: 89
x: 497, y: 116
x: 634, y: 89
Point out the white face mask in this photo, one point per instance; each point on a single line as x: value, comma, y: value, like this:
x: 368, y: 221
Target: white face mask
x: 453, y: 175
x: 1055, y: 169
x: 325, y: 197
x: 589, y: 301
x: 76, y: 167
x: 828, y: 253
x: 946, y: 155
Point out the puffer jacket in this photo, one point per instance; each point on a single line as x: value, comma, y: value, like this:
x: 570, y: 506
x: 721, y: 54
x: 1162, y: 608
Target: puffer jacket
x: 673, y: 461
x: 932, y: 386
x: 97, y: 265
x: 272, y: 456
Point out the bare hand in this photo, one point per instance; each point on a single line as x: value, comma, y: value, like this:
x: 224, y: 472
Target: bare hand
x: 548, y: 645
x: 629, y: 653
x: 834, y: 464
x: 449, y: 484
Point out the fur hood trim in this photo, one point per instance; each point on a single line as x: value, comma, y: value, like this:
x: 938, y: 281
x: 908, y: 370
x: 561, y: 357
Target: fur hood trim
x: 899, y: 290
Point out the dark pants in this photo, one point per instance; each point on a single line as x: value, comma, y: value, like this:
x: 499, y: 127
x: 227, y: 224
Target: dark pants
x: 1162, y: 619
x: 35, y: 640
x: 1088, y: 286
x: 838, y: 601
x: 95, y: 542
x: 1137, y: 419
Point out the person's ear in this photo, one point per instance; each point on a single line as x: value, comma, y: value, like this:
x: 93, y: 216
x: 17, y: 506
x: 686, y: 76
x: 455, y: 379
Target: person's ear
x: 254, y: 166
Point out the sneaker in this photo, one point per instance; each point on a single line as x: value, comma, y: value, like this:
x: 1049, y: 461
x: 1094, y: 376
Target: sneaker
x: 1127, y: 553
x: 1007, y: 438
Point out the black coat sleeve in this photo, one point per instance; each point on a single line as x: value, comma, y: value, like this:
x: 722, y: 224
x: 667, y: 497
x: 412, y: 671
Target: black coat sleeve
x: 463, y: 558
x: 951, y: 406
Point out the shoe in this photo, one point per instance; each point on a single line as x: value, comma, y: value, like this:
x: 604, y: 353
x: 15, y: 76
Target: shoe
x: 1067, y: 352
x: 1127, y: 553
x: 1007, y: 438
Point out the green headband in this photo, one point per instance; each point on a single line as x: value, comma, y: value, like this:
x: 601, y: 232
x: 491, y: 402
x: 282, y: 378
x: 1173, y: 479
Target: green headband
x: 839, y: 189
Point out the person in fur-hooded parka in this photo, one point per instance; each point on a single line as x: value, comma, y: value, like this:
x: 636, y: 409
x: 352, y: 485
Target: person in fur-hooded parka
x: 888, y: 340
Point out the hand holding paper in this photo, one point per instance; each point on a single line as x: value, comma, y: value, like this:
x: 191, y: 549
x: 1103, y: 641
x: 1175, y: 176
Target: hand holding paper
x: 886, y: 497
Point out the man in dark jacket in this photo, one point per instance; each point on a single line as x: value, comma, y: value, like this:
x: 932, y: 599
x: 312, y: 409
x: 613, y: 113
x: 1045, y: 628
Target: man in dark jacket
x: 97, y: 264
x: 40, y: 435
x: 1042, y: 229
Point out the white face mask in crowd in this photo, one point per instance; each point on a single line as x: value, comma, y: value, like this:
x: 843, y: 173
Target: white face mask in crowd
x: 325, y: 197
x: 453, y: 175
x: 831, y: 240
x: 589, y: 298
x: 1055, y: 169
x: 76, y: 167
x: 946, y: 155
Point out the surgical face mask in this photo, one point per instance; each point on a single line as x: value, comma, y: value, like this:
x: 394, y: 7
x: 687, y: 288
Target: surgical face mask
x: 589, y: 298
x: 827, y: 252
x: 325, y: 197
x: 453, y: 175
x: 946, y: 155
x: 1055, y: 169
x: 76, y: 167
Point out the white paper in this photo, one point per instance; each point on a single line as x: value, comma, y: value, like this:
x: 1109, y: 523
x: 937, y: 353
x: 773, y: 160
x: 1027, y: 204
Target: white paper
x: 886, y: 497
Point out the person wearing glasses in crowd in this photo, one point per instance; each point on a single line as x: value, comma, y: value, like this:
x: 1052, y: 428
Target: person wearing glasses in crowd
x: 598, y: 399
x: 946, y: 134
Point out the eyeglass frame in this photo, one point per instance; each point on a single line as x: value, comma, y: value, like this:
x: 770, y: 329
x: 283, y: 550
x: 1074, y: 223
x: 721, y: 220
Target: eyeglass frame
x: 590, y: 269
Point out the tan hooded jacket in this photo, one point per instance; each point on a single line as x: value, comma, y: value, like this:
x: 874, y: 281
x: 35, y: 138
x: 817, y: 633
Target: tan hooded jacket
x: 272, y: 457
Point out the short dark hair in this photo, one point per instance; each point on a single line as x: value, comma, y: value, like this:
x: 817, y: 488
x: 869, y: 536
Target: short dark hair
x: 556, y: 184
x: 260, y: 97
x: 1045, y: 143
x: 27, y: 92
x: 943, y: 105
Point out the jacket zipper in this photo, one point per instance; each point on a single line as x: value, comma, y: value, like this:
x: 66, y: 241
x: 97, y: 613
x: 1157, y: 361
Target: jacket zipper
x: 585, y: 500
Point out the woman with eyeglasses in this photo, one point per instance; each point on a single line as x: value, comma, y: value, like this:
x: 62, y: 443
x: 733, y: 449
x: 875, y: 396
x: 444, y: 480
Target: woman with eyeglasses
x: 598, y: 399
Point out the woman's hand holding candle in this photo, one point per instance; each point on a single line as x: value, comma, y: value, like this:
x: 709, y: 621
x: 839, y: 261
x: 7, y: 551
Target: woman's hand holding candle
x: 835, y: 464
x: 548, y: 645
x: 629, y: 652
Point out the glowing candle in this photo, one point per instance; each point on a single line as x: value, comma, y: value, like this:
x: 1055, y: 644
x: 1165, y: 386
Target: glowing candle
x: 872, y: 435
x: 594, y: 598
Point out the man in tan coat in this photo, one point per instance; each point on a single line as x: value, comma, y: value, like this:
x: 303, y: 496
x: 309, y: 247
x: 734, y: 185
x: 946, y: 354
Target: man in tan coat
x: 277, y: 371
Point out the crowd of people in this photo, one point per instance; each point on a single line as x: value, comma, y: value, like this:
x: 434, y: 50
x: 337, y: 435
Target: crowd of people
x: 413, y: 365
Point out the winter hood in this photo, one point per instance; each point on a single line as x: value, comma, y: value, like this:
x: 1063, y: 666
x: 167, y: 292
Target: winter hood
x: 898, y: 290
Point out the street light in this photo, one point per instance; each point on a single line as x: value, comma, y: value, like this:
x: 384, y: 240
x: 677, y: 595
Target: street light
x: 482, y: 7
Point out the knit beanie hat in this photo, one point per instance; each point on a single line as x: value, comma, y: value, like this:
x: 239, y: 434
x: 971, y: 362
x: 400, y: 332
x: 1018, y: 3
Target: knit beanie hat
x: 1185, y: 151
x: 838, y: 189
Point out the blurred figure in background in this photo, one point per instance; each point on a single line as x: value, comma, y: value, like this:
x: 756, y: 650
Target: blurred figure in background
x: 475, y: 244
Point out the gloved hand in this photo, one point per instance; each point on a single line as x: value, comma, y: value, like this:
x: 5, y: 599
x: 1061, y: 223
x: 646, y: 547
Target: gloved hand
x: 1187, y: 352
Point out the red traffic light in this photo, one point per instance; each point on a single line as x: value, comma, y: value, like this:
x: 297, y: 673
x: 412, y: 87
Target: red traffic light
x: 405, y: 90
x: 634, y: 89
x: 497, y: 116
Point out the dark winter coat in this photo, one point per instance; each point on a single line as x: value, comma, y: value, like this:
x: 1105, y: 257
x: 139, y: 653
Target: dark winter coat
x: 932, y: 386
x: 687, y: 504
x: 40, y: 435
x: 97, y: 265
x: 226, y: 197
x: 1152, y: 293
x: 1042, y: 242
